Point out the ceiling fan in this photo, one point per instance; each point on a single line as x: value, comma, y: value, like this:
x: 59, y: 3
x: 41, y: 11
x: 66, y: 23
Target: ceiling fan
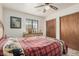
x: 47, y: 6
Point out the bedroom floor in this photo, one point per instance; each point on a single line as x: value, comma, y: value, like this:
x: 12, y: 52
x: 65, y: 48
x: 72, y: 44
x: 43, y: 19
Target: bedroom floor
x: 72, y: 52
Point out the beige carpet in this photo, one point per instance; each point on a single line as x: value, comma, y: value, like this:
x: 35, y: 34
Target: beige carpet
x: 72, y: 52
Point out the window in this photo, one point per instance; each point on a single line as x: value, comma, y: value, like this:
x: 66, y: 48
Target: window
x: 32, y: 24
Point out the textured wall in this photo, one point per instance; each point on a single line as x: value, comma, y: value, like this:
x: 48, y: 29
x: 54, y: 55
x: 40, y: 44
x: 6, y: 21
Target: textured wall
x: 1, y: 13
x: 19, y: 32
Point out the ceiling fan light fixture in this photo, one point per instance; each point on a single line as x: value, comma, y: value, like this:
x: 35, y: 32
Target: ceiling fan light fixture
x: 47, y: 7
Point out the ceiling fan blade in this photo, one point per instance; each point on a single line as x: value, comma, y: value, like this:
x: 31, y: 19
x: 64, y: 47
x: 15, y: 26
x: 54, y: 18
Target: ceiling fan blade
x: 44, y: 10
x: 46, y: 3
x: 53, y: 7
x: 39, y: 6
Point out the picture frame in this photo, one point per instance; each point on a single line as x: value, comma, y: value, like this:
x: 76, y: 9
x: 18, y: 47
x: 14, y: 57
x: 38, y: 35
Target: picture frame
x: 15, y: 22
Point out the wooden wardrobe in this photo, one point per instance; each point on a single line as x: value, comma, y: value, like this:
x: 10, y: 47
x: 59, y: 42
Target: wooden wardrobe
x: 69, y: 27
x: 51, y: 28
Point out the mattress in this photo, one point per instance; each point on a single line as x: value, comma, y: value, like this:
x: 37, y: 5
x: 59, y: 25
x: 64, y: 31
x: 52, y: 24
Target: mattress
x: 39, y: 46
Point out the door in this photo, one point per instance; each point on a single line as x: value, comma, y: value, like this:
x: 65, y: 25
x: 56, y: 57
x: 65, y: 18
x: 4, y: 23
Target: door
x: 51, y: 28
x: 70, y: 30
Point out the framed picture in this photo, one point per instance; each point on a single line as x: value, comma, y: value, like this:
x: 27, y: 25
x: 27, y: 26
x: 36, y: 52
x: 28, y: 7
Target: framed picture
x: 15, y: 22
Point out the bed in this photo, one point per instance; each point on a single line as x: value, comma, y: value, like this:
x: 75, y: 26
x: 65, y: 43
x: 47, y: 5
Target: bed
x: 38, y: 46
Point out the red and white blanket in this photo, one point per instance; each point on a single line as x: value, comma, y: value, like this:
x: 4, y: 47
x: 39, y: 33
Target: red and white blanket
x: 39, y: 46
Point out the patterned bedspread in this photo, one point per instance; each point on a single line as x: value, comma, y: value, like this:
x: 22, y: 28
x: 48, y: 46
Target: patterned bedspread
x: 39, y: 46
x: 43, y: 46
x: 2, y: 42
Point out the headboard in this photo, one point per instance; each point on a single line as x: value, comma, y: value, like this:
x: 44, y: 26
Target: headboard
x: 1, y: 30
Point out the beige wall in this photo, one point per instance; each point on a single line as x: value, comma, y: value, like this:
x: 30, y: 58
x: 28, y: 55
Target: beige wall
x: 66, y: 11
x: 19, y: 32
x: 1, y: 13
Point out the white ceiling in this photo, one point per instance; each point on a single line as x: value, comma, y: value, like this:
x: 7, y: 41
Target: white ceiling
x: 30, y: 7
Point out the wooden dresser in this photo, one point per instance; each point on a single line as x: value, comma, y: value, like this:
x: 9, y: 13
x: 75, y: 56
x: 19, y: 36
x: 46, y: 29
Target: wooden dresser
x: 32, y: 34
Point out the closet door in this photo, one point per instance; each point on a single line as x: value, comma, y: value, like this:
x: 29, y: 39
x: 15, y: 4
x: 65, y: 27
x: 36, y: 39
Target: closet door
x: 70, y: 30
x: 51, y: 28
